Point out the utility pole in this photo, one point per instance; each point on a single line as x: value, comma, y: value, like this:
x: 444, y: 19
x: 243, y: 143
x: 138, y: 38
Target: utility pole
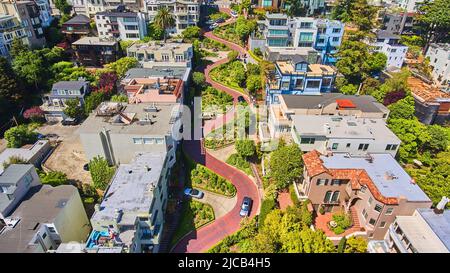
x: 15, y: 120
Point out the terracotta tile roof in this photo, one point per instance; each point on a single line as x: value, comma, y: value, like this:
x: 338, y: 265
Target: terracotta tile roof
x: 425, y: 92
x: 358, y: 177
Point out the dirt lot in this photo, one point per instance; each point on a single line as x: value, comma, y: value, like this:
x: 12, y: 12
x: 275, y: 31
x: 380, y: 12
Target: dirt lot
x: 69, y: 156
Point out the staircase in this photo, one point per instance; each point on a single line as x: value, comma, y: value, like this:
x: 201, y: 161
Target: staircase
x: 355, y: 219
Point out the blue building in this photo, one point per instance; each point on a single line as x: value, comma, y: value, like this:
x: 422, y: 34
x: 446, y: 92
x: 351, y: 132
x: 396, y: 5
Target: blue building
x: 298, y: 77
x: 279, y: 30
x: 55, y: 100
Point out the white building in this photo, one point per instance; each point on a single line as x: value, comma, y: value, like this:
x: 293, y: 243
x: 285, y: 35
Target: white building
x: 439, y: 55
x: 389, y: 44
x: 343, y: 134
x: 186, y: 12
x: 10, y: 28
x: 121, y: 25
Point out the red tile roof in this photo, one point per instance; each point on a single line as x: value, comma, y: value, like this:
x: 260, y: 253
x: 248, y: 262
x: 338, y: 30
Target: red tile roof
x: 358, y: 177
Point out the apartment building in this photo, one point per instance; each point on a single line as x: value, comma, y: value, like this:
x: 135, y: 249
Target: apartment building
x: 299, y: 78
x: 93, y: 51
x: 374, y: 185
x: 117, y: 131
x: 343, y: 134
x: 396, y: 22
x: 10, y: 29
x: 309, y: 54
x: 42, y: 216
x: 439, y: 55
x: 186, y: 12
x: 389, y: 44
x: 28, y: 14
x: 45, y: 12
x: 155, y: 53
x: 330, y: 104
x: 312, y: 7
x: 280, y: 30
x: 79, y: 6
x: 55, y: 101
x: 131, y: 218
x: 125, y: 26
x: 30, y: 153
x: 426, y: 231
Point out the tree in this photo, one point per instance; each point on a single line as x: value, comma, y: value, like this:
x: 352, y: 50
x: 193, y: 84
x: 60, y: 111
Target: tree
x: 198, y: 78
x: 413, y: 135
x: 122, y: 65
x: 101, y: 172
x: 164, y: 20
x: 66, y: 71
x: 244, y: 27
x: 11, y: 92
x: 73, y: 108
x: 20, y: 135
x: 34, y: 113
x: 440, y: 138
x: 403, y: 109
x: 296, y: 8
x: 253, y: 83
x: 341, y: 245
x: 92, y: 101
x: 53, y: 178
x: 245, y: 147
x: 29, y: 66
x: 393, y: 97
x: 436, y: 16
x: 357, y: 11
x: 355, y: 245
x: 17, y: 47
x: 107, y: 81
x: 119, y: 98
x: 14, y: 160
x: 192, y: 32
x: 154, y: 32
x: 63, y: 6
x: 349, y: 89
x: 286, y: 165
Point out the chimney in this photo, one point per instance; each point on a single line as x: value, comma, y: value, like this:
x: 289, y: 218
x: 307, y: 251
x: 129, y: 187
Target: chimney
x: 441, y: 205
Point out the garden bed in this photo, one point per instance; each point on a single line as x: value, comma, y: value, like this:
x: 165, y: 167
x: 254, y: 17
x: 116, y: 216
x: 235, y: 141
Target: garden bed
x: 228, y: 32
x: 231, y: 74
x: 203, y: 178
x: 215, y: 100
x: 340, y: 223
x: 194, y: 215
x: 240, y: 163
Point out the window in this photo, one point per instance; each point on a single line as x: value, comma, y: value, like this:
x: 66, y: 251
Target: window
x: 335, y: 39
x: 335, y: 182
x: 393, y: 50
x: 52, y: 229
x: 321, y: 41
x: 159, y: 140
x: 389, y: 211
x: 313, y: 84
x: 306, y: 39
x: 348, y: 145
x: 378, y: 208
x: 155, y: 215
x: 306, y: 25
x: 165, y: 57
x: 278, y: 32
x: 149, y: 140
x: 326, y: 82
x: 391, y: 147
x: 335, y: 197
x: 328, y: 196
x: 382, y: 224
x: 370, y: 200
x: 336, y: 30
x: 137, y: 140
x: 179, y: 58
x: 44, y: 235
x: 299, y: 84
x: 132, y: 35
x: 364, y: 214
x: 322, y: 182
x: 363, y: 147
x: 285, y: 85
x: 307, y: 140
x: 334, y: 146
x: 131, y: 27
x: 372, y: 221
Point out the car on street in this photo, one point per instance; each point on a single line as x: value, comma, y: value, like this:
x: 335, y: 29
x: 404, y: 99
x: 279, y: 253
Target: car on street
x: 220, y: 20
x: 69, y: 121
x: 213, y: 26
x: 234, y: 14
x: 241, y: 99
x: 194, y: 193
x: 246, y: 207
x: 209, y: 22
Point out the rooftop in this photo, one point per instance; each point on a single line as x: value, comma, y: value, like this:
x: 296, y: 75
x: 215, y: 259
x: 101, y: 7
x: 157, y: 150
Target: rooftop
x: 347, y: 127
x: 94, y: 41
x: 384, y: 34
x: 426, y: 92
x: 78, y: 19
x: 40, y: 205
x: 439, y: 223
x: 380, y: 173
x: 443, y: 46
x: 288, y: 67
x: 69, y: 85
x: 156, y: 46
x: 9, y: 179
x: 117, y: 14
x: 26, y: 153
x: 364, y: 103
x: 157, y: 71
x: 154, y: 89
x: 131, y: 190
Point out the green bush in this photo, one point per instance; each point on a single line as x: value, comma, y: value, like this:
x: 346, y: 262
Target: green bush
x: 343, y: 222
x: 212, y: 97
x: 53, y: 178
x: 20, y: 135
x: 203, y: 178
x: 101, y: 172
x: 341, y: 245
x: 267, y: 206
x: 240, y: 163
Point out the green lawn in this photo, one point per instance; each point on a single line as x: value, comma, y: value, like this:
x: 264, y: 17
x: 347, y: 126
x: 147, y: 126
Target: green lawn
x: 194, y: 215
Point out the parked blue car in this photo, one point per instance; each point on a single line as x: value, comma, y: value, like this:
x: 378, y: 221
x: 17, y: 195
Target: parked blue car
x: 246, y: 207
x: 193, y: 193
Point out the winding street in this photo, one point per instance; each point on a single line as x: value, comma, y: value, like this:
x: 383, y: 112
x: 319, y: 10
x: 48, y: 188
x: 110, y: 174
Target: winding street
x: 206, y: 237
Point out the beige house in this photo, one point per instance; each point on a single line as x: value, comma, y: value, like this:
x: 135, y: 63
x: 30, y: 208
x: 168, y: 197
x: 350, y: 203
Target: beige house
x: 375, y: 185
x: 161, y: 54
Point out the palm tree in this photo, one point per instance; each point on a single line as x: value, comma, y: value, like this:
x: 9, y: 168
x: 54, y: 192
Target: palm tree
x: 164, y: 20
